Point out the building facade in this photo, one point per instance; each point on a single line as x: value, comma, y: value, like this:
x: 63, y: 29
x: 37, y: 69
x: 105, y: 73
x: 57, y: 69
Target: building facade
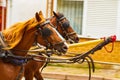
x: 89, y: 18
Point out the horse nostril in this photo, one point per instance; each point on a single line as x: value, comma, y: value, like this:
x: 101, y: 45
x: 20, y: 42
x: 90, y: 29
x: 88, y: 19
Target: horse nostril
x: 76, y: 39
x: 65, y: 48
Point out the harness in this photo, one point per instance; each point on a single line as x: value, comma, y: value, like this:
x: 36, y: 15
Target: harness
x: 49, y: 44
x: 66, y: 34
x: 18, y: 60
x: 8, y: 57
x: 80, y: 58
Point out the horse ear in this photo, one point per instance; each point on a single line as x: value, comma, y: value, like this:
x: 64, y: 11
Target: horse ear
x: 37, y: 17
x: 55, y: 14
x: 40, y: 13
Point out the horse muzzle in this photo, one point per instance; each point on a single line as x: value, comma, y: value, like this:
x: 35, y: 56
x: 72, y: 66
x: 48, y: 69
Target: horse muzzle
x: 62, y: 47
x: 73, y: 40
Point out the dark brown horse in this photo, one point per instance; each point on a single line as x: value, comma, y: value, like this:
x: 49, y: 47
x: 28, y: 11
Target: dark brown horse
x: 63, y: 26
x: 20, y: 37
x: 32, y: 68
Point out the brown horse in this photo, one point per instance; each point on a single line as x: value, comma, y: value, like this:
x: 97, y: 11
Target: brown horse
x: 20, y: 37
x: 64, y: 28
x: 32, y: 68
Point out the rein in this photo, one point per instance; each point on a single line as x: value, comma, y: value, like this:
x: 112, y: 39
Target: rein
x: 80, y: 58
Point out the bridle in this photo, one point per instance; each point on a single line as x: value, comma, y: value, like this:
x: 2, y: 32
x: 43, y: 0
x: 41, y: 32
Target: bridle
x: 39, y: 31
x: 67, y: 35
x: 18, y: 60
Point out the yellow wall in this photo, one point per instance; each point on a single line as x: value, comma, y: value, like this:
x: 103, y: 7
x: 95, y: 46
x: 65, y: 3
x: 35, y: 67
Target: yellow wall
x: 101, y: 55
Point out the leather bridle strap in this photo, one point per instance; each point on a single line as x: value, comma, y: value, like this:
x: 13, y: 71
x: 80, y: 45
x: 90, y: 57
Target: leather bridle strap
x: 44, y: 23
x: 72, y: 33
x: 64, y: 31
x: 10, y: 53
x: 45, y: 40
x: 48, y: 43
x: 61, y: 18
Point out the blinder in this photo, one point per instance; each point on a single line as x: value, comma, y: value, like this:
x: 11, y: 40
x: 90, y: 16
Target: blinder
x: 46, y: 32
x: 64, y: 26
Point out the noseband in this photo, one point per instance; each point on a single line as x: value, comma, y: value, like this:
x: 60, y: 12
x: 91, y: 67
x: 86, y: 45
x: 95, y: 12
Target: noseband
x: 46, y: 32
x: 65, y: 25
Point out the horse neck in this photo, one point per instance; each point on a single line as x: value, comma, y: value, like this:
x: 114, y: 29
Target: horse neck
x: 53, y: 21
x: 26, y: 42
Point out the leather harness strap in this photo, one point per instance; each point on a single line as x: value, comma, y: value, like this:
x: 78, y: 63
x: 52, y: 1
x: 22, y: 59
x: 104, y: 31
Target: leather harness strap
x: 3, y: 43
x: 4, y: 55
x: 19, y: 76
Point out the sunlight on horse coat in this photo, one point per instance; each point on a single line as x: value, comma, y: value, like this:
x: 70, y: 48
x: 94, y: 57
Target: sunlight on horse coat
x: 14, y: 34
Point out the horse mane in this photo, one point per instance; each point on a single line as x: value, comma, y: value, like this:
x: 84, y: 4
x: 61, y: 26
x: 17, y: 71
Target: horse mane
x: 14, y: 34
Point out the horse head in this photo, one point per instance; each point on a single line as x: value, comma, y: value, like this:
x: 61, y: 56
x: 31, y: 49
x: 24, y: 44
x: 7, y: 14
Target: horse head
x: 50, y: 37
x: 64, y: 28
